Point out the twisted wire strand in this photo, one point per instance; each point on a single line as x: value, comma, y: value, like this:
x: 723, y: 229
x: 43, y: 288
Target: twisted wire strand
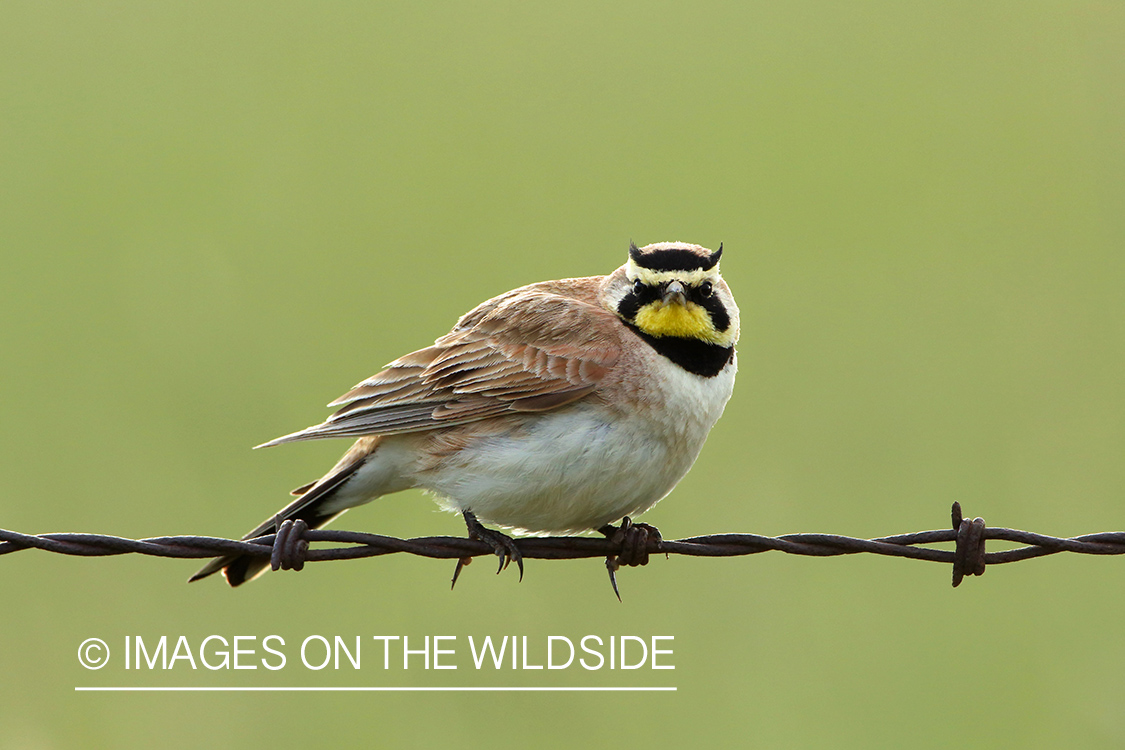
x: 289, y: 546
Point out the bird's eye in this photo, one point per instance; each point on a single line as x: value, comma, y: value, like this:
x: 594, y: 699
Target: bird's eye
x: 705, y: 289
x: 638, y: 287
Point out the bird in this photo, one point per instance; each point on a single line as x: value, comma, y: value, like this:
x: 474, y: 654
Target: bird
x: 559, y: 407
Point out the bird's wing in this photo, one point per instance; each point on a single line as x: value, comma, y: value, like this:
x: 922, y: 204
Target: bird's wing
x: 525, y: 351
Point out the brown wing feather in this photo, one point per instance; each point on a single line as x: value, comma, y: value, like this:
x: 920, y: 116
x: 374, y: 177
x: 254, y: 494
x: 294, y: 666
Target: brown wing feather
x: 526, y: 351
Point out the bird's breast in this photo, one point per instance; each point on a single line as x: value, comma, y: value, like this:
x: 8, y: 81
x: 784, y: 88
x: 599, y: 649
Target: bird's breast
x: 583, y: 465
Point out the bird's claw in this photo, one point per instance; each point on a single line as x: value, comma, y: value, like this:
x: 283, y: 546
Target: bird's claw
x: 502, y: 544
x: 631, y: 540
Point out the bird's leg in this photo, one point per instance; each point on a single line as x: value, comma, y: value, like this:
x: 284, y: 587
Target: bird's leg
x: 504, y: 546
x: 631, y: 540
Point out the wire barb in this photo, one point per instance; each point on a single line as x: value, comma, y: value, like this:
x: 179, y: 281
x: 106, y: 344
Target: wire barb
x: 288, y: 547
x: 969, y: 557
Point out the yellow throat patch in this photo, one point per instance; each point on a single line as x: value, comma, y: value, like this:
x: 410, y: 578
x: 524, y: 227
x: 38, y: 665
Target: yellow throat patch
x: 688, y: 320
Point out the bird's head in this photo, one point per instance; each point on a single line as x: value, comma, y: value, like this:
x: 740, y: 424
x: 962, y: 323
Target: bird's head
x: 674, y: 290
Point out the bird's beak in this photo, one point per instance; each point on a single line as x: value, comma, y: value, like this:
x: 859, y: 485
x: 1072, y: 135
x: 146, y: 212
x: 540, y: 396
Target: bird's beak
x: 675, y: 292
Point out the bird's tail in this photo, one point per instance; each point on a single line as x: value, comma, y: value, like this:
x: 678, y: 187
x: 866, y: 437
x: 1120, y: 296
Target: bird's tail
x: 313, y: 506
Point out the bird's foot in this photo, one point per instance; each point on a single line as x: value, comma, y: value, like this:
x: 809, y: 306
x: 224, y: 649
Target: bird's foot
x: 502, y: 544
x: 632, y: 540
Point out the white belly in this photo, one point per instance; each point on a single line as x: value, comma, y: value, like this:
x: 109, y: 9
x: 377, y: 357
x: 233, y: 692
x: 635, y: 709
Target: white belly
x: 583, y: 466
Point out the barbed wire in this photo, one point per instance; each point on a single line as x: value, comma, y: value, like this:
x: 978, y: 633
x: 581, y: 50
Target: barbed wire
x: 288, y: 549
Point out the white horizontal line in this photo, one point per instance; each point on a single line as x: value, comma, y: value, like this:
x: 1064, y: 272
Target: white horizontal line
x: 381, y: 689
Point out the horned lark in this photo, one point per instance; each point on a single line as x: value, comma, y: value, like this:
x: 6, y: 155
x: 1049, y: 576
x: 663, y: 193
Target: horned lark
x: 558, y: 407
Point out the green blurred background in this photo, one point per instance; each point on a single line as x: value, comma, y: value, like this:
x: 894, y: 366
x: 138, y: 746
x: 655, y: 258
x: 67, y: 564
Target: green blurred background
x: 216, y: 218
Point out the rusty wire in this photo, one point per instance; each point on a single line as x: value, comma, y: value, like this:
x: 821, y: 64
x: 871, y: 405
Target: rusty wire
x: 289, y: 548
